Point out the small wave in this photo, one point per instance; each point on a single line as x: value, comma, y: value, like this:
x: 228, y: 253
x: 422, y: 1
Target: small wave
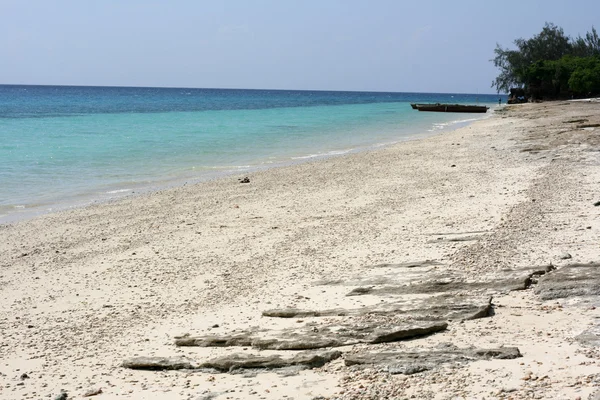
x: 228, y: 167
x: 118, y: 191
x: 329, y: 153
x: 442, y: 125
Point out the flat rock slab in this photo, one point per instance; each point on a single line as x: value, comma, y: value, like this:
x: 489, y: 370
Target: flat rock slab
x: 158, y: 363
x: 411, y: 362
x: 439, y: 308
x: 316, y: 336
x: 381, y: 274
x: 446, y: 285
x: 434, y: 278
x: 590, y: 337
x: 437, y: 282
x: 234, y: 361
x: 574, y: 280
x: 250, y: 361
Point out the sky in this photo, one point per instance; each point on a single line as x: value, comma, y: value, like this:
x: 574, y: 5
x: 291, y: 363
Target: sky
x: 369, y: 45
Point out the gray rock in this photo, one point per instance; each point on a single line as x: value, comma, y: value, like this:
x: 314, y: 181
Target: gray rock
x: 440, y: 308
x: 469, y: 238
x: 207, y: 396
x: 316, y: 336
x: 408, y: 369
x: 238, y: 361
x: 241, y: 340
x: 410, y: 362
x: 565, y: 256
x: 157, y: 363
x: 62, y: 396
x: 574, y: 280
x: 444, y: 286
x: 590, y: 337
x: 93, y: 392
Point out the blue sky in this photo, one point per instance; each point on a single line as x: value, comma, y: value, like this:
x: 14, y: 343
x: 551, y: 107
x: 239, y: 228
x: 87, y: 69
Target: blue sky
x: 379, y: 45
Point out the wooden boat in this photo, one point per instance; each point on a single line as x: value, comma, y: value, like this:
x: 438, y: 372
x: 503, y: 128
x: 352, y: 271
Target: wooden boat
x: 415, y: 106
x: 439, y: 107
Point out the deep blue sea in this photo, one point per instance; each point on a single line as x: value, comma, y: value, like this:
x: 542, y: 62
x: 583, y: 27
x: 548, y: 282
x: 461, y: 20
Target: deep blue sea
x: 65, y: 145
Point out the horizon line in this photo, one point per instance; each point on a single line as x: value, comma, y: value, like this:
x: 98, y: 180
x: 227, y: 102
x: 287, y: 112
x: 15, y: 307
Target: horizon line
x: 264, y: 89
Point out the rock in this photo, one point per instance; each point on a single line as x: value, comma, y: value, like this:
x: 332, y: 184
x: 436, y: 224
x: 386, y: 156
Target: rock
x: 574, y: 280
x: 24, y: 376
x: 501, y: 353
x: 447, y: 285
x: 414, y: 264
x: 157, y: 363
x: 410, y: 362
x: 565, y: 256
x: 216, y: 341
x: 244, y: 180
x: 317, y: 336
x: 430, y: 278
x: 207, y: 396
x: 407, y: 369
x: 597, y: 203
x: 438, y: 308
x: 382, y: 335
x: 590, y: 337
x: 468, y: 238
x: 298, y: 313
x: 93, y: 392
x: 237, y: 361
x: 62, y: 396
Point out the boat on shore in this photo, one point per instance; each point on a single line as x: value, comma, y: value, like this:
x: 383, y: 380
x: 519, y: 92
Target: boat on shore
x: 440, y: 107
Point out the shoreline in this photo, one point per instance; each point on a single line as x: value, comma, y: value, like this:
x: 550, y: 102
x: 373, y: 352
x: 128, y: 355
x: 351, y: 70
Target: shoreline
x: 120, y: 190
x: 86, y: 289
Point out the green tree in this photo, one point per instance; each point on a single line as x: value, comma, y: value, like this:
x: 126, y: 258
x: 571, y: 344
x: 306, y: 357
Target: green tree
x: 550, y: 44
x: 585, y: 79
x: 588, y: 46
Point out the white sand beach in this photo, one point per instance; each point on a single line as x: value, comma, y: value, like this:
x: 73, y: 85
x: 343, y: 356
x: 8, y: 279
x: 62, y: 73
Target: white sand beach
x: 85, y: 289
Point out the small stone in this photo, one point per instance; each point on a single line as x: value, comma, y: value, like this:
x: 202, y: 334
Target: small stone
x: 62, y: 396
x: 24, y: 376
x: 565, y: 256
x: 244, y: 180
x: 93, y: 392
x: 597, y: 203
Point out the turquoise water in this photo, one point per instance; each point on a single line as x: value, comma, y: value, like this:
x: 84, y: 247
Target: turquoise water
x: 61, y: 146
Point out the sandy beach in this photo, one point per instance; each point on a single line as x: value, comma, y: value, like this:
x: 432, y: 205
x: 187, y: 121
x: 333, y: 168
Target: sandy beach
x: 486, y: 237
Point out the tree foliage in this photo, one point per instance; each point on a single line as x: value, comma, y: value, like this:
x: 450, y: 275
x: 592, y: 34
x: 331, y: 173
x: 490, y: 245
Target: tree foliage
x: 588, y: 46
x: 550, y: 64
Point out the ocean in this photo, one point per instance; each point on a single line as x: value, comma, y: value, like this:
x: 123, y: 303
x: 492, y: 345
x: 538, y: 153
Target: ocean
x: 64, y: 146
